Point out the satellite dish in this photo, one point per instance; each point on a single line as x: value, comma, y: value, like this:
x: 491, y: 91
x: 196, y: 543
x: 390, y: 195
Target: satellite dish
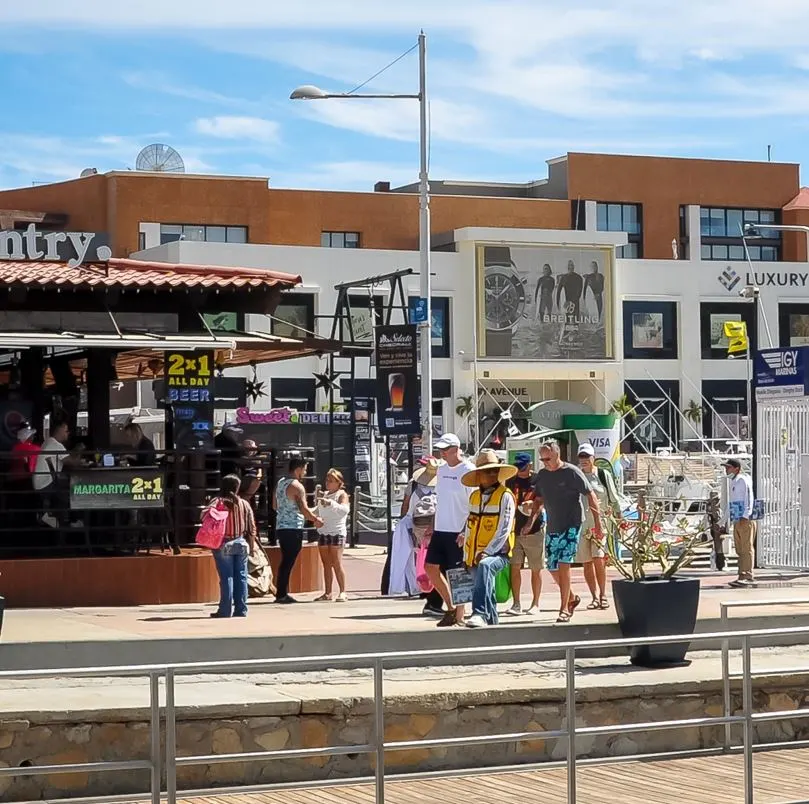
x: 88, y: 172
x: 159, y: 158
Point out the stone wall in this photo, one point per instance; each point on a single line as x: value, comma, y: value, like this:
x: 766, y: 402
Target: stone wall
x: 117, y: 736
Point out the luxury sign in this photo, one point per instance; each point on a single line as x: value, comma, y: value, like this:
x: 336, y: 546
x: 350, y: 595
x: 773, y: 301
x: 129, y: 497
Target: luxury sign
x: 729, y: 279
x: 72, y: 247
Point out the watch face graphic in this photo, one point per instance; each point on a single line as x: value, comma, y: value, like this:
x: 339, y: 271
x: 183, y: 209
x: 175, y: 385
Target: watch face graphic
x: 504, y: 294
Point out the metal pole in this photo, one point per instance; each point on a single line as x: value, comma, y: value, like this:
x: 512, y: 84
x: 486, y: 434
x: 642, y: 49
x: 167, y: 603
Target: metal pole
x: 379, y: 732
x: 424, y: 258
x: 154, y: 729
x: 570, y: 678
x: 726, y: 704
x: 171, y: 741
x: 331, y: 409
x: 747, y: 706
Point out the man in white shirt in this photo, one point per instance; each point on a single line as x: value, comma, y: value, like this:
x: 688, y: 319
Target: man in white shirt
x: 740, y: 514
x: 48, y: 471
x: 452, y: 509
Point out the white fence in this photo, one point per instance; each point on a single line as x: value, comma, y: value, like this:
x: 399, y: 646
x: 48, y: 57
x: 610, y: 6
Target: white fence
x: 782, y: 450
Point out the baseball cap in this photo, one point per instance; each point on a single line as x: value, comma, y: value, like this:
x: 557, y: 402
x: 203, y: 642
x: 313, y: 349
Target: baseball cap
x: 522, y: 460
x: 586, y: 449
x: 734, y: 462
x: 448, y: 440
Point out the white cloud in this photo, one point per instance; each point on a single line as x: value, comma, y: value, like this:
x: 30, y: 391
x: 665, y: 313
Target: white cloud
x: 225, y: 127
x: 157, y: 82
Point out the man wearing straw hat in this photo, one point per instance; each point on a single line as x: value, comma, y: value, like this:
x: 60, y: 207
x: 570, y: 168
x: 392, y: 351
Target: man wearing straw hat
x: 489, y: 532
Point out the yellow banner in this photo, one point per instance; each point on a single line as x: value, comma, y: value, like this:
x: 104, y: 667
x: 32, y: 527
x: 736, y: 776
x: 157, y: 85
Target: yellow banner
x: 736, y: 333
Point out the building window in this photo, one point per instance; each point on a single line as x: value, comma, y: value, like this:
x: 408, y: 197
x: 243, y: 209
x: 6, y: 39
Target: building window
x: 295, y: 316
x: 650, y: 330
x: 721, y: 231
x: 141, y: 241
x: 622, y: 218
x: 293, y: 392
x: 657, y: 416
x: 793, y: 324
x: 340, y: 239
x: 171, y: 232
x: 439, y: 331
x: 713, y: 316
x: 365, y: 313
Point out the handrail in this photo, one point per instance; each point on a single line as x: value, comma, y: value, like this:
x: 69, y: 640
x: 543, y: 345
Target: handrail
x: 724, y: 607
x: 377, y: 744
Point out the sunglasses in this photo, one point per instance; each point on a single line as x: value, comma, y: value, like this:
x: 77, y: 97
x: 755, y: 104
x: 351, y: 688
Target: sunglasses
x: 546, y: 460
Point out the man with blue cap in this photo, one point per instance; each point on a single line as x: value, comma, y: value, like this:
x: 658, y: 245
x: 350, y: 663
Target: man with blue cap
x: 528, y: 546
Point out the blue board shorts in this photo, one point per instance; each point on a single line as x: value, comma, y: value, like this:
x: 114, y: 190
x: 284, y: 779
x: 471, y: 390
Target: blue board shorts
x: 561, y: 548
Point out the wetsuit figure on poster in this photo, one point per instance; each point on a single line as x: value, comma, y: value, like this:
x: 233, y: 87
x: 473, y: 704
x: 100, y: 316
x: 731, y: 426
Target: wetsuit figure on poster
x: 543, y: 295
x: 595, y: 282
x: 572, y: 285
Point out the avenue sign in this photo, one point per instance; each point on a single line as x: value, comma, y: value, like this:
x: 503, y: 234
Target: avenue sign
x: 71, y: 247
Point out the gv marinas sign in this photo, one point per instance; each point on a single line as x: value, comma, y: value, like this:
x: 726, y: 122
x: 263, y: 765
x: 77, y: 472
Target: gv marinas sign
x: 74, y: 248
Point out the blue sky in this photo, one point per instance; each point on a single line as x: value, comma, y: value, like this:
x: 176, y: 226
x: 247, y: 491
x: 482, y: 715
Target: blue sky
x: 512, y: 83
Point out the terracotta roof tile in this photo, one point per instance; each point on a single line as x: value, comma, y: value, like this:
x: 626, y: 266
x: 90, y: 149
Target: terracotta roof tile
x: 139, y: 273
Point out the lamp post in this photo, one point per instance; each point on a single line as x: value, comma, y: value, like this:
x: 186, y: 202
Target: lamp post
x: 309, y: 92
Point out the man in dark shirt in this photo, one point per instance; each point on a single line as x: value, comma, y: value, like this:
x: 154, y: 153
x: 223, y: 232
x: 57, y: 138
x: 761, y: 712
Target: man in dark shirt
x: 543, y: 295
x: 559, y: 488
x: 572, y: 284
x: 145, y: 453
x: 230, y: 452
x: 529, y: 539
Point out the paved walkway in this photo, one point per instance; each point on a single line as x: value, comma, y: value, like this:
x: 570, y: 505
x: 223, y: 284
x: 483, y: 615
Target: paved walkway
x: 778, y: 777
x: 364, y: 613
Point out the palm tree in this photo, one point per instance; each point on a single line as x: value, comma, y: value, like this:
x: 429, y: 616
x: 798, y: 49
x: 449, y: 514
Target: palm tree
x: 464, y: 408
x: 693, y: 415
x: 625, y: 411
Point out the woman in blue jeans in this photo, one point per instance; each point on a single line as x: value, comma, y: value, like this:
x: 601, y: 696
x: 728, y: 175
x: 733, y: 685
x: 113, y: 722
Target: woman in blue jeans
x: 231, y: 557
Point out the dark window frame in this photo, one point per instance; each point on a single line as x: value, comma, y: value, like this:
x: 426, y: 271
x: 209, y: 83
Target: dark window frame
x: 634, y: 239
x: 670, y: 312
x: 331, y: 234
x: 287, y: 390
x: 707, y: 309
x: 785, y: 310
x: 715, y: 243
x: 205, y: 227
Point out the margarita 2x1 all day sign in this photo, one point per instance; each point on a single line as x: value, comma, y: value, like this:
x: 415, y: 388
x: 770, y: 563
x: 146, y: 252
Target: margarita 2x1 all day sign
x: 117, y: 489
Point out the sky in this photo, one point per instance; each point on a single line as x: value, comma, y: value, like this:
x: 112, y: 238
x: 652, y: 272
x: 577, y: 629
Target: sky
x: 511, y: 83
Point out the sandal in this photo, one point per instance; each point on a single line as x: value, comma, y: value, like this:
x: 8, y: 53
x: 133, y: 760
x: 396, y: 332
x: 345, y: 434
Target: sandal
x: 594, y: 605
x: 322, y: 598
x: 603, y: 603
x: 564, y: 617
x: 571, y: 607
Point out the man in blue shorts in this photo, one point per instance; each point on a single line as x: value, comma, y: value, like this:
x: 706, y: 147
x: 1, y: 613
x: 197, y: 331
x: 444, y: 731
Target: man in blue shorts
x: 559, y: 488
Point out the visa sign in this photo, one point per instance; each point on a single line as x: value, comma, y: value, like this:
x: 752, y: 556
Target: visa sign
x: 781, y: 373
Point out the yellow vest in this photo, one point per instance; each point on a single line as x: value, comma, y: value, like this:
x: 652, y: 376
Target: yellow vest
x: 483, y: 522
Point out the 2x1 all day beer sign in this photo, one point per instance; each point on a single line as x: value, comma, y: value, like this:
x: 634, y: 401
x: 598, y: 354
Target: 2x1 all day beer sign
x: 117, y: 489
x: 189, y: 391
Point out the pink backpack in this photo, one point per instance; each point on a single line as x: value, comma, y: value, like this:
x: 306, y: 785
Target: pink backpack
x: 422, y: 579
x: 211, y: 532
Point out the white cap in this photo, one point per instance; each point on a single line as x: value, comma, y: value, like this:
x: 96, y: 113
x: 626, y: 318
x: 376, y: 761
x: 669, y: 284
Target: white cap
x: 25, y: 432
x: 447, y: 440
x: 586, y: 449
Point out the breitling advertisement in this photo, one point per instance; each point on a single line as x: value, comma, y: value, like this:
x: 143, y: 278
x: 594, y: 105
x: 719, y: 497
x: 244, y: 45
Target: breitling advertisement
x: 544, y: 302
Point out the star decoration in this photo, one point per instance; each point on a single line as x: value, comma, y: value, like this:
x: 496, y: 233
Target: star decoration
x: 253, y: 387
x: 325, y: 380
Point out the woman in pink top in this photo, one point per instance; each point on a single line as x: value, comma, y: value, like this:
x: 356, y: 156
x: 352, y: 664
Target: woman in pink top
x: 24, y: 454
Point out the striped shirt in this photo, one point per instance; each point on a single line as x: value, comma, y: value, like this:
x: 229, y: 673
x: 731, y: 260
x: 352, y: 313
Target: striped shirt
x: 241, y: 521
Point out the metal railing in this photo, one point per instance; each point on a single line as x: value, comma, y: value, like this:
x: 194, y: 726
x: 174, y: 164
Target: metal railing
x: 377, y: 745
x: 727, y: 675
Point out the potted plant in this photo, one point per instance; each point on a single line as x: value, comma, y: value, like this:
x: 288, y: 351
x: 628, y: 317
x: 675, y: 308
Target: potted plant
x: 625, y: 410
x: 649, y: 599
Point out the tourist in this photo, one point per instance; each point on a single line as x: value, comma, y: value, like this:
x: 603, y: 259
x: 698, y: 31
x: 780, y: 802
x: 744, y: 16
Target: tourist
x: 592, y: 553
x: 231, y: 557
x: 559, y: 487
x: 24, y: 454
x: 145, y: 453
x: 529, y: 545
x: 489, y: 532
x: 252, y: 471
x: 230, y: 451
x: 740, y: 515
x: 49, y: 476
x: 452, y: 509
x: 333, y: 507
x: 291, y: 514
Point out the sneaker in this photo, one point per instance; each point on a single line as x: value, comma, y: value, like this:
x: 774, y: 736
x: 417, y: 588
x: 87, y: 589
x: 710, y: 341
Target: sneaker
x: 740, y: 583
x: 432, y: 611
x: 448, y: 620
x: 286, y: 600
x: 476, y: 621
x: 50, y: 520
x: 532, y: 610
x: 515, y: 610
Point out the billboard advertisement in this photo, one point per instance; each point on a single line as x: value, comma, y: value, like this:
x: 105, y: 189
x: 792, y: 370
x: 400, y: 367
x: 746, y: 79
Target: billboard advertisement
x: 544, y: 302
x: 397, y: 380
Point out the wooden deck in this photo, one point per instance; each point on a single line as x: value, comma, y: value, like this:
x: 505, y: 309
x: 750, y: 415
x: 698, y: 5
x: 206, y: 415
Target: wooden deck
x: 779, y: 777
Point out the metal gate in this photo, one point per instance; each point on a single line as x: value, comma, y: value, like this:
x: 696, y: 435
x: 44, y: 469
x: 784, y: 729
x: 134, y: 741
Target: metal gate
x: 782, y: 452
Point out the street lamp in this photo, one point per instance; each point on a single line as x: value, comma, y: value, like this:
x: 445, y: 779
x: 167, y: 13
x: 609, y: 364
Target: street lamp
x: 309, y: 92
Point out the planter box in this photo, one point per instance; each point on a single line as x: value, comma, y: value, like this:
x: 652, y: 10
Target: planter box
x: 657, y: 607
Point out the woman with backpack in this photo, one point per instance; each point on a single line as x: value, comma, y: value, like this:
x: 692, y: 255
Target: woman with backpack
x: 592, y: 553
x: 237, y: 544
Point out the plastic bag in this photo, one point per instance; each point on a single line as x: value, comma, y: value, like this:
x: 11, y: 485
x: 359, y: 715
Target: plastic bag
x: 502, y: 585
